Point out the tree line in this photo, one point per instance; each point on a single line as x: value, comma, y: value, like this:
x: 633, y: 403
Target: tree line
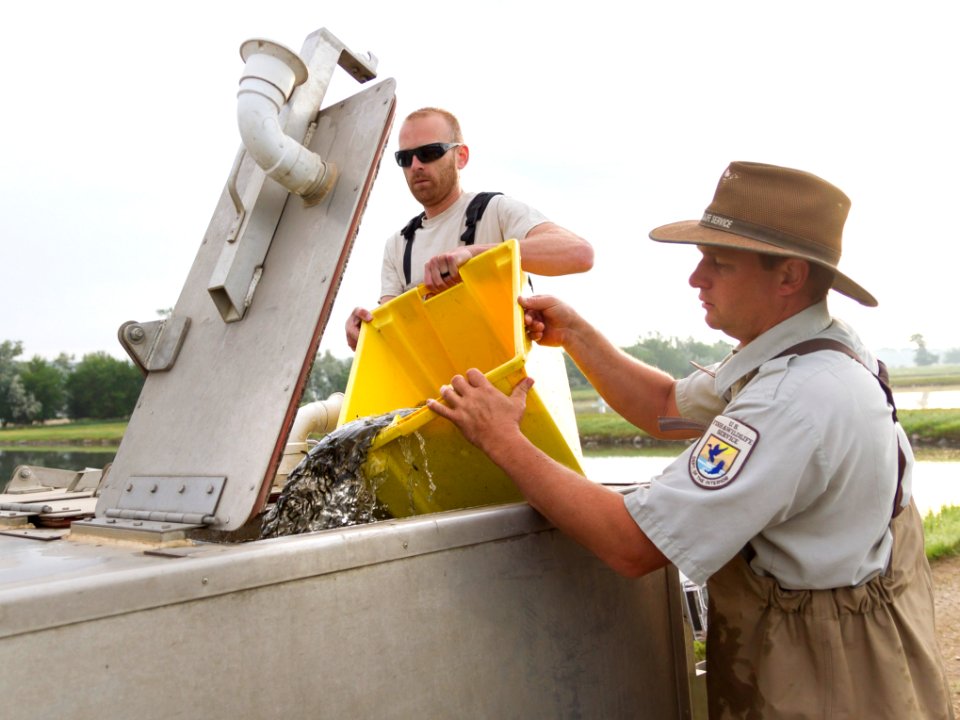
x: 922, y: 356
x: 100, y: 387
x: 672, y: 355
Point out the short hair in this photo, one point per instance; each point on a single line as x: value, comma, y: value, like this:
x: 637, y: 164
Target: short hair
x: 819, y: 277
x: 452, y: 122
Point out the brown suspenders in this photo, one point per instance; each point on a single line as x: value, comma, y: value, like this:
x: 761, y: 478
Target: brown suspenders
x: 809, y: 346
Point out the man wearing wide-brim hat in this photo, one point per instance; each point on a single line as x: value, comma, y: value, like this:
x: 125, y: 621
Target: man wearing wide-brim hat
x: 794, y: 505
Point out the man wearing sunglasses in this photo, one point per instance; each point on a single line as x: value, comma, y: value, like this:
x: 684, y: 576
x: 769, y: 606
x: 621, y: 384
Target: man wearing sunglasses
x: 432, y: 153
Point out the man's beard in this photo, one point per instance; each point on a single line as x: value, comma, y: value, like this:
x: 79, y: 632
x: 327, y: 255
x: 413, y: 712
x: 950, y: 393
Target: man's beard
x: 438, y: 187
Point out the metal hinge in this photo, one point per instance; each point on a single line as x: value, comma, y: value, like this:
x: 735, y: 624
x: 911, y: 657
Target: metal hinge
x: 158, y: 508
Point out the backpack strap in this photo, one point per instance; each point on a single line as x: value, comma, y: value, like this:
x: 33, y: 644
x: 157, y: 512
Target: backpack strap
x: 408, y: 232
x: 474, y: 212
x: 883, y: 377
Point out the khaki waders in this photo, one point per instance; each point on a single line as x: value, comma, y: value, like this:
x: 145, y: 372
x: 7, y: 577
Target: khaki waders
x: 864, y: 652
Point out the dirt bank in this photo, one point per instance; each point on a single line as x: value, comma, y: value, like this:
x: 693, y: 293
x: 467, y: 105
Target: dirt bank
x: 946, y: 586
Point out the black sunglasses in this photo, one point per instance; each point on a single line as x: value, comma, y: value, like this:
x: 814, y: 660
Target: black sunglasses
x: 424, y: 153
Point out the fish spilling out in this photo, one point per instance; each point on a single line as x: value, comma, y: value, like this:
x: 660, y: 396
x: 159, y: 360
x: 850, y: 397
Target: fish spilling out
x: 328, y: 488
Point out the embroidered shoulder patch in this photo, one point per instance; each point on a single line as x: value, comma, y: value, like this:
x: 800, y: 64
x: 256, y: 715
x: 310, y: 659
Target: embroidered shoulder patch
x: 721, y: 453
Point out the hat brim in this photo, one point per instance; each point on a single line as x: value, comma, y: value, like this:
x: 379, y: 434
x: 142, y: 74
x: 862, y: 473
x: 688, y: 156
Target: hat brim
x: 691, y: 232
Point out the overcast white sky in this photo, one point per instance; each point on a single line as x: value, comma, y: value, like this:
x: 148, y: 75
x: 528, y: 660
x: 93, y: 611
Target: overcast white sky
x: 118, y: 129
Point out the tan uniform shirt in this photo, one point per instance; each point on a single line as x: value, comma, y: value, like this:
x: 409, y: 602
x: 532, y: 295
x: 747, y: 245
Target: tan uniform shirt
x: 801, y: 464
x: 820, y: 605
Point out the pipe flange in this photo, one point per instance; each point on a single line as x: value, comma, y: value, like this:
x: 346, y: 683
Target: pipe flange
x: 259, y: 46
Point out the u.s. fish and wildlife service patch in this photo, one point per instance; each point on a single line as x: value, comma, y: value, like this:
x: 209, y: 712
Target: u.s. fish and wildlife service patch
x: 722, y: 452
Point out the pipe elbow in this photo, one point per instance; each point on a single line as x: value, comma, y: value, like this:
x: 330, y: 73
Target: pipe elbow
x: 319, y: 417
x: 270, y: 75
x: 316, y: 417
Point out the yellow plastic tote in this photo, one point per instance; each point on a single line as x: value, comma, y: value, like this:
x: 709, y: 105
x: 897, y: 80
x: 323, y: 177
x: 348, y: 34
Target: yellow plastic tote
x: 416, y: 343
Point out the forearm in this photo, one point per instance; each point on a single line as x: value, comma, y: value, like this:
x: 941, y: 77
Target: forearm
x: 638, y: 392
x: 593, y: 515
x: 549, y: 249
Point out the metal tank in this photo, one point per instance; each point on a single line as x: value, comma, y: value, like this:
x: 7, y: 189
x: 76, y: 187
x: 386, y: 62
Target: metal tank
x: 142, y: 591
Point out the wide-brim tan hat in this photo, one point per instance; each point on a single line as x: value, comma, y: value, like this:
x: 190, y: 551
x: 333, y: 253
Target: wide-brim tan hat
x: 776, y: 211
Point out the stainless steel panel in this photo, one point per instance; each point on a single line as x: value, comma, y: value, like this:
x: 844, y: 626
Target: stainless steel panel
x: 487, y: 613
x: 226, y: 405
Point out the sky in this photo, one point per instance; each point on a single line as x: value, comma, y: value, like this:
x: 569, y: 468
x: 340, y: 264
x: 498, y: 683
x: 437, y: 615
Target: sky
x: 118, y: 130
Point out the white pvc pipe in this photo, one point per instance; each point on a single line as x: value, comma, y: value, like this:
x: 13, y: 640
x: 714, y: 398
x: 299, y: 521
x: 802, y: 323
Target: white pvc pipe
x: 316, y: 417
x: 269, y: 77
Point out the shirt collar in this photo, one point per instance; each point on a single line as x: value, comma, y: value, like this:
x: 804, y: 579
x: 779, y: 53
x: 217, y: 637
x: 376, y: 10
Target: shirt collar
x: 458, y: 207
x: 804, y: 325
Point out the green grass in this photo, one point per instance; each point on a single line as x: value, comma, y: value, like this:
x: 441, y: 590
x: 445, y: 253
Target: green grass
x: 583, y: 393
x: 930, y: 375
x: 941, y: 533
x: 922, y: 426
x: 84, y: 431
x: 699, y: 650
x: 931, y: 426
x: 608, y: 424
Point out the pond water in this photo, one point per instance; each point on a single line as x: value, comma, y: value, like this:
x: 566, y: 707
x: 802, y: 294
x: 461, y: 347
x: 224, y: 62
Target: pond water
x: 936, y: 482
x: 927, y: 399
x: 936, y: 479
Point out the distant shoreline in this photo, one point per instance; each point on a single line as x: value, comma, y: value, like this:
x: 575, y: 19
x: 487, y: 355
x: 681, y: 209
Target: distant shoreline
x: 588, y: 442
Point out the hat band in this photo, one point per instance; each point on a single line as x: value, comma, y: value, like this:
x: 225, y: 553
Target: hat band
x: 799, y: 246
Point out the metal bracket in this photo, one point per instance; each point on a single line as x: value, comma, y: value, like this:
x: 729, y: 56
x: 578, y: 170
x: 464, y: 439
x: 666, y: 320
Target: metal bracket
x: 154, y: 346
x: 29, y: 479
x: 361, y: 68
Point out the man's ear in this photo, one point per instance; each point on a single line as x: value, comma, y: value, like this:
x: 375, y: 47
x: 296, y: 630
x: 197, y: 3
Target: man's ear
x: 794, y: 274
x: 463, y: 157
